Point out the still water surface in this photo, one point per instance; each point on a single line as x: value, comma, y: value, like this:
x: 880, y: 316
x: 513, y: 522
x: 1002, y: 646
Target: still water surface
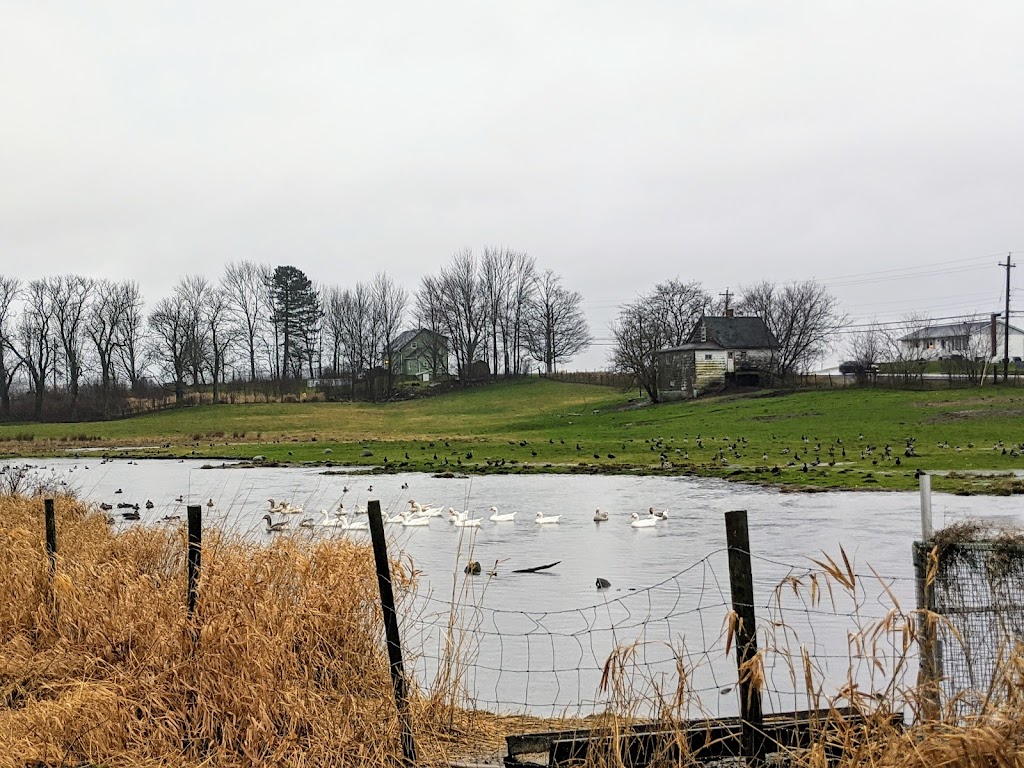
x: 538, y: 642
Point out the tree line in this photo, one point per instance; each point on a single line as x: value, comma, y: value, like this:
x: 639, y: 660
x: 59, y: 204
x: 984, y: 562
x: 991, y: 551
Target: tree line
x: 66, y: 335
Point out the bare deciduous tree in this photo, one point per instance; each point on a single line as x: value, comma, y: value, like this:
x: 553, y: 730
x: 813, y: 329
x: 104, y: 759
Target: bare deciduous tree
x: 10, y: 288
x: 803, y: 316
x: 132, y: 349
x: 556, y: 326
x: 172, y: 330
x: 429, y: 315
x: 464, y: 308
x: 104, y: 325
x: 245, y: 284
x: 388, y: 302
x: 35, y: 340
x: 663, y: 318
x: 69, y: 296
x: 352, y: 310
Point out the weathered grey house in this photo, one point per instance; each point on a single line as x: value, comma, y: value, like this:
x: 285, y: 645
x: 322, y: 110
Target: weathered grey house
x: 718, y: 350
x: 421, y: 353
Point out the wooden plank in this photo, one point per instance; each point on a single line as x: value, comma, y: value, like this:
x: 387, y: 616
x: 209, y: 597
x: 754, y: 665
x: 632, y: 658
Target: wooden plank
x: 705, y: 741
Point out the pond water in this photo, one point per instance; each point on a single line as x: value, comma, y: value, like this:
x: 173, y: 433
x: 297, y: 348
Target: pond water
x: 539, y: 642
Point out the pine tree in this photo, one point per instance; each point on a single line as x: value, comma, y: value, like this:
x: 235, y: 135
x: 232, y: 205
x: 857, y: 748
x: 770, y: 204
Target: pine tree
x: 295, y: 313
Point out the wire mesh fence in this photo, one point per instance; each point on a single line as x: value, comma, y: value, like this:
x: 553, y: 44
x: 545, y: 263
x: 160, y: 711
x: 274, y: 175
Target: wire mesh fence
x: 975, y: 588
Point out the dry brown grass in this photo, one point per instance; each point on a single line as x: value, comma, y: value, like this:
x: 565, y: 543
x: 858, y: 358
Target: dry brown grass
x: 285, y: 663
x: 288, y: 669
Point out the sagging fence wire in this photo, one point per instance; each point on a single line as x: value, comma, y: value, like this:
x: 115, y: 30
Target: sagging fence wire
x: 822, y: 628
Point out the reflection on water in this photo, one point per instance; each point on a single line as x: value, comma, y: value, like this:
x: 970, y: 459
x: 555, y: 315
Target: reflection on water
x: 540, y: 641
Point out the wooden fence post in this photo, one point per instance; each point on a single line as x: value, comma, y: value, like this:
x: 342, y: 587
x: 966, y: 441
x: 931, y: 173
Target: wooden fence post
x: 741, y: 583
x: 195, y: 556
x: 51, y: 536
x: 394, y: 639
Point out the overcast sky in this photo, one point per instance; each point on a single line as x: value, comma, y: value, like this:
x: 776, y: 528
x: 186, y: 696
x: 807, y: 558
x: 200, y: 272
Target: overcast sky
x: 619, y: 143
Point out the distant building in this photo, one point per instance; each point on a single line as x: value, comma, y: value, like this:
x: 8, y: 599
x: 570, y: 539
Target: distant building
x: 420, y: 353
x: 719, y: 350
x: 967, y: 338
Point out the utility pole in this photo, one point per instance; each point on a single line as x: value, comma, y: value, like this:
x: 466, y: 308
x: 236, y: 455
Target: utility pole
x: 1006, y: 319
x: 726, y: 295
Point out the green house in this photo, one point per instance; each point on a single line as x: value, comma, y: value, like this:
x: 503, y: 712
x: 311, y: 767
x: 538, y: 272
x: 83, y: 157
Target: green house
x: 420, y: 353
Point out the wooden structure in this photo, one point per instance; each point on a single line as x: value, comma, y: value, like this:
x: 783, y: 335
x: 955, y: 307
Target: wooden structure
x: 639, y: 746
x: 420, y: 353
x: 718, y: 351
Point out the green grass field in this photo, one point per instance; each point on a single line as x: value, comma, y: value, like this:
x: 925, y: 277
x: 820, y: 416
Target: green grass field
x: 545, y: 426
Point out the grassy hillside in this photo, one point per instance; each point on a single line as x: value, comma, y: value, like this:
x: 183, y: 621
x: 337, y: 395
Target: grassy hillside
x: 539, y: 425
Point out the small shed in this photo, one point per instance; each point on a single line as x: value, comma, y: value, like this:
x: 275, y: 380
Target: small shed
x: 718, y: 351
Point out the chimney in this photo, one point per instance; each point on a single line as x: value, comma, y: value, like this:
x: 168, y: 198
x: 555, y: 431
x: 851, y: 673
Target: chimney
x: 730, y: 312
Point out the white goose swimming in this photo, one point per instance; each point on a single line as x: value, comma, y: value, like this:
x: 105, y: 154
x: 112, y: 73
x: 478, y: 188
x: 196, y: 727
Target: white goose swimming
x: 338, y: 522
x: 543, y: 519
x: 362, y: 525
x: 273, y: 527
x: 465, y: 521
x: 391, y: 520
x: 452, y: 515
x: 424, y: 510
x: 600, y: 516
x: 411, y: 520
x: 506, y: 517
x: 649, y: 522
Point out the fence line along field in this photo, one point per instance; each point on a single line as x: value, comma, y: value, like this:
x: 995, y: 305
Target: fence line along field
x: 852, y: 438
x: 283, y: 660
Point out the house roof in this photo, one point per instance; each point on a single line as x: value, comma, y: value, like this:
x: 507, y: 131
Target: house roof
x: 402, y: 339
x: 735, y: 333
x: 947, y: 330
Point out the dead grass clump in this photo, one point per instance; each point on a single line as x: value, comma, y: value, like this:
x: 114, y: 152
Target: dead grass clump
x: 283, y: 665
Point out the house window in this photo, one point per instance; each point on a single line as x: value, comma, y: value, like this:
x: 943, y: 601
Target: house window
x: 707, y: 357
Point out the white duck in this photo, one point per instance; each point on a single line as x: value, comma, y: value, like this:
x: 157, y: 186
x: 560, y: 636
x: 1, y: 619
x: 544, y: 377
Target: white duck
x: 465, y: 521
x: 424, y: 510
x: 543, y: 519
x: 600, y: 516
x: 412, y: 520
x: 273, y: 527
x: 506, y: 517
x: 392, y: 520
x: 338, y: 522
x: 658, y: 513
x: 452, y: 515
x: 649, y: 522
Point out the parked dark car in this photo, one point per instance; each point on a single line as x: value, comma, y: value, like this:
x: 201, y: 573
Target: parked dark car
x: 856, y: 367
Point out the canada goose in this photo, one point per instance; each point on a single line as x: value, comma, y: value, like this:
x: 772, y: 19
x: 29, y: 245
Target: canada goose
x: 600, y: 515
x: 541, y: 519
x: 273, y: 527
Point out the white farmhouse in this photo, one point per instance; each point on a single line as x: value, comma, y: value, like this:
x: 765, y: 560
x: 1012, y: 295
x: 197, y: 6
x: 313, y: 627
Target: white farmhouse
x: 974, y: 339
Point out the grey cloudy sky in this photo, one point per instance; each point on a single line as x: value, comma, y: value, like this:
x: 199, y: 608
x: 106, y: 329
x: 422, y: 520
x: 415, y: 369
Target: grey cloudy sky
x: 618, y: 143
